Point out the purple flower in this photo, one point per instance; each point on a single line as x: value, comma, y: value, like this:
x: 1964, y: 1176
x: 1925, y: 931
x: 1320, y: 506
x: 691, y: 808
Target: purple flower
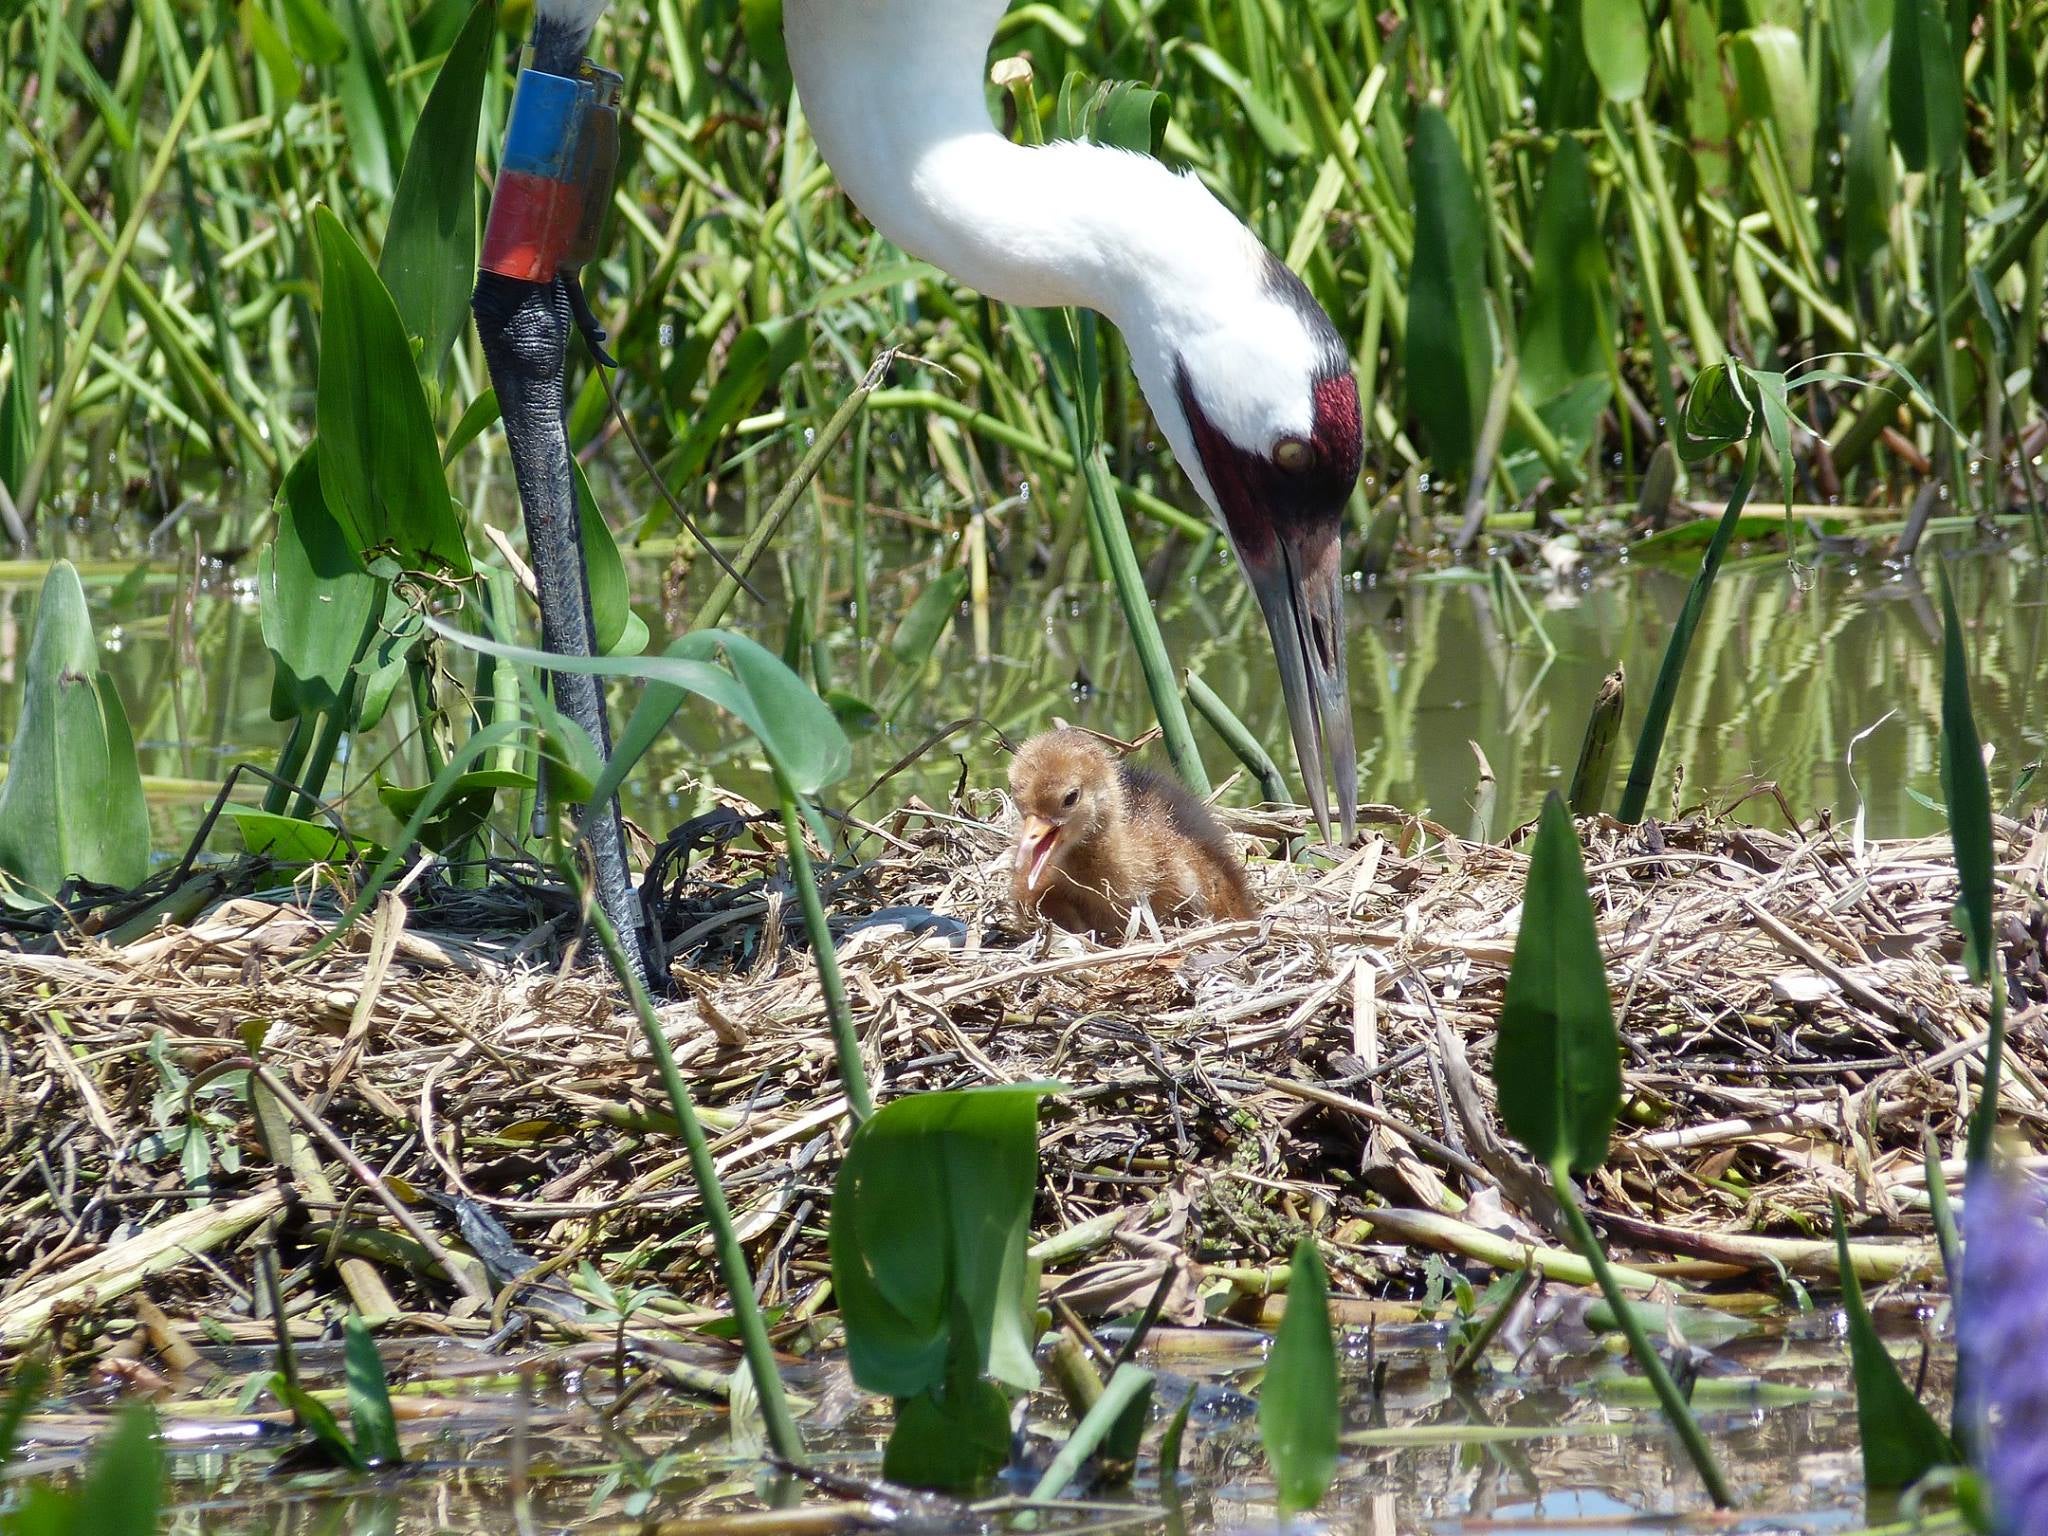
x: 2002, y: 1326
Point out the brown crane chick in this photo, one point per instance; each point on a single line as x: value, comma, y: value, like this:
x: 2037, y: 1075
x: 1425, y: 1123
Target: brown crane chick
x: 1101, y: 836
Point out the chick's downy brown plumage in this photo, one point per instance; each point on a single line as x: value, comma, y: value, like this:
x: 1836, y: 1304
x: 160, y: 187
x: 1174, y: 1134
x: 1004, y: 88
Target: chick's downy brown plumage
x: 1099, y: 836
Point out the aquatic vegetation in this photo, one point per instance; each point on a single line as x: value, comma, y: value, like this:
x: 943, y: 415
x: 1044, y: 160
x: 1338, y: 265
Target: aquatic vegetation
x: 2002, y: 1327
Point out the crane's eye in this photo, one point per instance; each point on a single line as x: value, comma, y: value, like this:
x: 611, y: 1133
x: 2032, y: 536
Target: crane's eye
x: 1294, y: 454
x: 1073, y: 798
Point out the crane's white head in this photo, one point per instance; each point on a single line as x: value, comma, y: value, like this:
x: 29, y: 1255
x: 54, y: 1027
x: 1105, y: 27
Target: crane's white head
x: 1254, y: 389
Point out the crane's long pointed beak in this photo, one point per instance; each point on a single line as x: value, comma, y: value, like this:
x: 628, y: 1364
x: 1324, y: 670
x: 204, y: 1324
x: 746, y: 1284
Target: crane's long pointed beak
x: 1299, y: 586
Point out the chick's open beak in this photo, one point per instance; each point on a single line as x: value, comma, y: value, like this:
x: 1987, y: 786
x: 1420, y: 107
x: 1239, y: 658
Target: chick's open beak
x: 1036, y: 840
x: 1299, y: 587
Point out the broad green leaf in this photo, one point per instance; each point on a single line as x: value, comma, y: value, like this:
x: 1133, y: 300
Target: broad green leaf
x: 1120, y: 113
x: 1299, y: 1415
x: 1720, y: 411
x: 761, y: 23
x: 369, y: 1397
x: 71, y: 803
x: 755, y: 363
x: 315, y: 1418
x: 952, y: 1437
x: 380, y: 468
x: 1925, y: 92
x: 429, y: 258
x: 1867, y: 186
x: 1709, y: 96
x: 269, y: 48
x: 123, y: 1489
x: 1617, y: 39
x: 1569, y: 322
x: 290, y: 840
x: 931, y: 1217
x: 1557, y: 1058
x: 1450, y: 348
x: 1860, y: 30
x: 1901, y: 1441
x: 918, y: 632
x: 620, y: 632
x: 318, y: 603
x: 1966, y: 787
x: 1567, y: 93
x: 374, y: 144
x: 464, y: 803
x: 477, y: 417
x: 313, y: 33
x: 1771, y: 73
x: 794, y: 726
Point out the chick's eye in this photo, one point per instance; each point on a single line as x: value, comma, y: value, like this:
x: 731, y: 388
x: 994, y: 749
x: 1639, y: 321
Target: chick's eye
x: 1073, y: 798
x: 1294, y: 454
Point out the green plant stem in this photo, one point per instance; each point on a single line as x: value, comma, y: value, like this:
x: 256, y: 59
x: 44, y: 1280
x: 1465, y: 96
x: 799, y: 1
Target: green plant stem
x: 1650, y: 740
x: 777, y: 511
x: 846, y: 1043
x: 997, y: 430
x: 1984, y: 1119
x: 291, y: 758
x: 59, y: 407
x: 1124, y: 1389
x: 732, y: 1261
x: 1108, y: 518
x: 1676, y: 1409
x: 1238, y: 737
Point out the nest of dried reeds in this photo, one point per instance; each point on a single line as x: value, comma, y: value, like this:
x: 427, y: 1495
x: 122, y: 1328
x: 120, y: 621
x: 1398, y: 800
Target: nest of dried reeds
x: 1794, y: 1014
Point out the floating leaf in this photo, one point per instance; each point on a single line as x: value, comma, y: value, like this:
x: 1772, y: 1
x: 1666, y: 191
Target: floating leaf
x: 1901, y: 1441
x: 71, y: 804
x: 1299, y: 1416
x: 1450, y: 349
x: 1557, y: 1061
x: 429, y: 258
x: 380, y: 468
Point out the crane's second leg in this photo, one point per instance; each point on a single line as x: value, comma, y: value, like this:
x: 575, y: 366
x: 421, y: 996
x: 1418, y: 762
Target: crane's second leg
x: 524, y: 328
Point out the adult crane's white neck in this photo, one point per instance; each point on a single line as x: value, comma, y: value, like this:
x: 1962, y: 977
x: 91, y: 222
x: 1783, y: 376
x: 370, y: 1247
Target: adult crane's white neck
x: 894, y: 94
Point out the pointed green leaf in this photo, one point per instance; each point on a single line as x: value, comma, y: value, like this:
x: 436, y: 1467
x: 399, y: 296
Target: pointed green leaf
x: 123, y: 1489
x: 1617, y: 39
x: 315, y: 1418
x: 619, y: 631
x: 1901, y: 1441
x: 1449, y: 347
x: 313, y: 33
x: 1557, y: 1061
x: 931, y: 1217
x: 429, y: 256
x: 72, y: 801
x: 290, y: 840
x: 318, y: 603
x: 1966, y: 787
x: 1925, y: 92
x: 369, y: 1397
x: 1867, y: 185
x: 367, y: 107
x: 380, y: 468
x: 1569, y: 323
x: 1299, y: 1413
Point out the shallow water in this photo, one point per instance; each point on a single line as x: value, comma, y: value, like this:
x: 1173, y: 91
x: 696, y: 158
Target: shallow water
x: 1564, y: 1439
x: 1822, y: 680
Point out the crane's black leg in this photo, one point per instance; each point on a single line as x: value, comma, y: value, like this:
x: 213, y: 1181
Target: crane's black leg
x: 524, y: 328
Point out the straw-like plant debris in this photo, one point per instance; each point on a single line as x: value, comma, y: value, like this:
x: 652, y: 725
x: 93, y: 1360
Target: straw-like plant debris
x: 452, y: 1123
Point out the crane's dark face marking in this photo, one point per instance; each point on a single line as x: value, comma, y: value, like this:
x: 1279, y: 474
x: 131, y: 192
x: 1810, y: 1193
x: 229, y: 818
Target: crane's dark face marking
x: 1282, y: 499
